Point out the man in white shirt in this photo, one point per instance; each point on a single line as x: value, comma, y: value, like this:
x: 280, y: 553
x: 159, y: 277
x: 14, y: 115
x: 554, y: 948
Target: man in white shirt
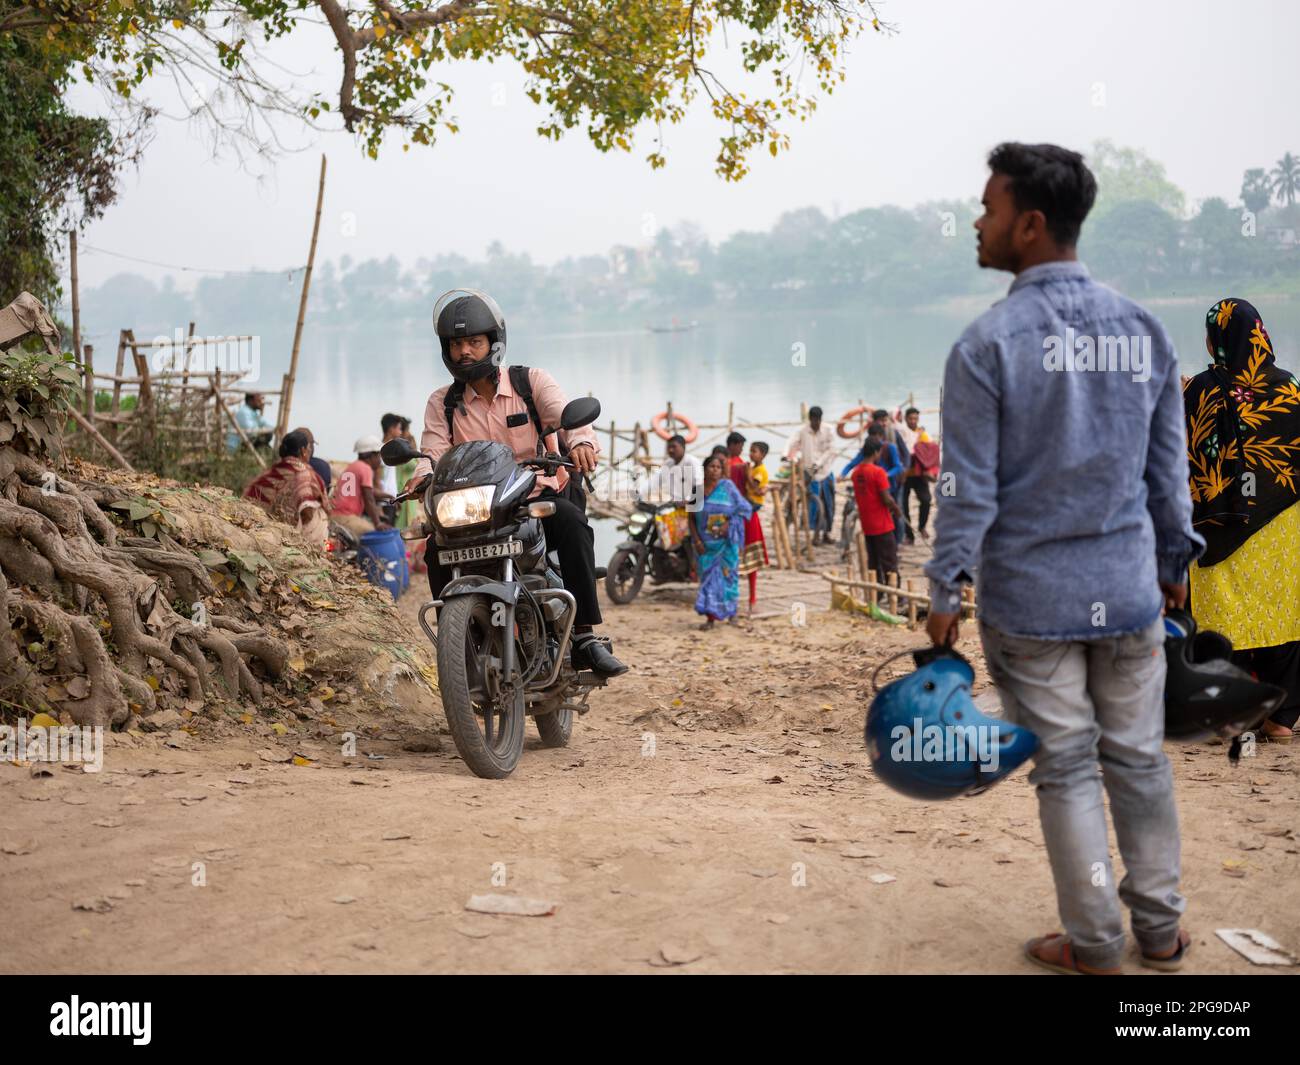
x: 814, y: 446
x: 679, y: 478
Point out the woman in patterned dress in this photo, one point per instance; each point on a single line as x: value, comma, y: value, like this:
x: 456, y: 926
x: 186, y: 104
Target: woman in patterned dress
x: 1243, y: 448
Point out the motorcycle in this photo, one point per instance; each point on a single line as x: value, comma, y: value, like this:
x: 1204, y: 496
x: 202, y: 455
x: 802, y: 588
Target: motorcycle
x: 646, y: 550
x: 504, y: 621
x: 342, y: 544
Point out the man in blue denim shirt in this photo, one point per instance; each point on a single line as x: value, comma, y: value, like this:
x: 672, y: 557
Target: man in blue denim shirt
x: 1063, y: 493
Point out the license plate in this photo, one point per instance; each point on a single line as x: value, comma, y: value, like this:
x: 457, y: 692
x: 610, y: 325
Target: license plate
x: 481, y: 553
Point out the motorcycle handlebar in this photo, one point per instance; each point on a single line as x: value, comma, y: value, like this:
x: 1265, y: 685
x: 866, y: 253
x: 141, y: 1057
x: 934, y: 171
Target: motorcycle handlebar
x: 548, y: 464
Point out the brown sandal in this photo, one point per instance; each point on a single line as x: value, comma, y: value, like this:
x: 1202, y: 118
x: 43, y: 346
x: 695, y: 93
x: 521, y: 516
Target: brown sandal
x: 1056, y: 952
x: 1173, y: 962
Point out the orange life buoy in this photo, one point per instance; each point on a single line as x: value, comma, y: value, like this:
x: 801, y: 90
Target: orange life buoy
x: 657, y: 423
x: 846, y: 416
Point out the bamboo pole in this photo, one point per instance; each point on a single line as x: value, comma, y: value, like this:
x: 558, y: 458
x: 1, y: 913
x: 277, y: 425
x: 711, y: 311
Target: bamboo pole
x: 96, y: 436
x: 776, y: 497
x: 141, y: 369
x: 238, y: 428
x: 185, y: 366
x: 88, y: 367
x: 192, y: 341
x: 117, y: 384
x: 287, y: 400
x: 76, y: 296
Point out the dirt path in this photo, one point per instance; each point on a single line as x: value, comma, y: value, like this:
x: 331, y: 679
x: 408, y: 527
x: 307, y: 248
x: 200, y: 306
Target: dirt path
x: 714, y: 809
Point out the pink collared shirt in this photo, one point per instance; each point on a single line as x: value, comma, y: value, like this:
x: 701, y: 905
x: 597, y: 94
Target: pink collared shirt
x: 486, y: 420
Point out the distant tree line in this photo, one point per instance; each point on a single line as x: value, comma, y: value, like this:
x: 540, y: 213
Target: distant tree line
x: 1140, y: 238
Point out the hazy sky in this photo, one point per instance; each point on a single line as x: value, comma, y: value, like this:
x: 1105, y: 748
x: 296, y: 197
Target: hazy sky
x: 1206, y: 88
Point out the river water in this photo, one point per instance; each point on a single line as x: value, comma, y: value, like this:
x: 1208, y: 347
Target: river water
x: 767, y: 363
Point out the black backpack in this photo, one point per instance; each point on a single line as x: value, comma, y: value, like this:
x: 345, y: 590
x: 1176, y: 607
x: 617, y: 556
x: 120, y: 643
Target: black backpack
x: 523, y: 386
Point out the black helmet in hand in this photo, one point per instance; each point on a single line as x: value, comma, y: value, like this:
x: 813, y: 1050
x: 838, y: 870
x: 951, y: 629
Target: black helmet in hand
x: 466, y: 312
x: 1206, y: 694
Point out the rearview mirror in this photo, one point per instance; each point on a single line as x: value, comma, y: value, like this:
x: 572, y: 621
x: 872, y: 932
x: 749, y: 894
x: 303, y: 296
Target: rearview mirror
x: 398, y: 452
x: 579, y: 412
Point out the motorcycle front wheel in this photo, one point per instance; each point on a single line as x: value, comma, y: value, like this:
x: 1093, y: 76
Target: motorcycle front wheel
x: 624, y: 576
x: 488, y: 738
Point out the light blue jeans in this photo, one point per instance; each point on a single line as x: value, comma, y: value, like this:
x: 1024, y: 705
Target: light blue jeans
x: 1099, y: 703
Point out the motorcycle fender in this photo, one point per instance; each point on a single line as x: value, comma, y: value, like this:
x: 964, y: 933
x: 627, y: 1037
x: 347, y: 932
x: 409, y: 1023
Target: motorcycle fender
x: 633, y: 545
x: 478, y: 585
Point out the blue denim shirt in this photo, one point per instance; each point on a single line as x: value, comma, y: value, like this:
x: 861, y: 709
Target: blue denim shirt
x: 1064, y: 488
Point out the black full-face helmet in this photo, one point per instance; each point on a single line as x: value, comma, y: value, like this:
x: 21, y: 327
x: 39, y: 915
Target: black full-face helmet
x: 466, y: 312
x: 1206, y: 694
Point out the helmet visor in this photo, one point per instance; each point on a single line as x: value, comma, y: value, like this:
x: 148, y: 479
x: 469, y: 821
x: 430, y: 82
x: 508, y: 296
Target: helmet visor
x: 451, y: 296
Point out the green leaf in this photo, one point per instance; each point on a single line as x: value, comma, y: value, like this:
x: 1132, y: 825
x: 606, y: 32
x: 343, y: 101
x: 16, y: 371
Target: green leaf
x: 140, y: 510
x: 212, y: 559
x: 251, y: 560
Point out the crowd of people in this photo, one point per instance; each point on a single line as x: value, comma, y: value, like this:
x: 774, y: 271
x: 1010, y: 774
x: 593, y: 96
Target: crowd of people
x: 300, y: 488
x: 897, y: 462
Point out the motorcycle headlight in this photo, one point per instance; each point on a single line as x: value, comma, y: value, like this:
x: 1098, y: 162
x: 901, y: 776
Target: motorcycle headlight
x: 637, y: 521
x: 464, y: 506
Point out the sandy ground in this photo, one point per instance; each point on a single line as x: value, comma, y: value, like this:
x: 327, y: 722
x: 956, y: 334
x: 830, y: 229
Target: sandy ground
x: 714, y: 813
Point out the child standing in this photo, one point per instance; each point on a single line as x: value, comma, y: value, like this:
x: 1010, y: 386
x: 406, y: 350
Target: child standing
x: 754, y: 557
x: 877, y: 510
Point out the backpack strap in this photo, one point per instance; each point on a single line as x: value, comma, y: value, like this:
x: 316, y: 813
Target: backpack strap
x: 519, y: 381
x: 455, y: 398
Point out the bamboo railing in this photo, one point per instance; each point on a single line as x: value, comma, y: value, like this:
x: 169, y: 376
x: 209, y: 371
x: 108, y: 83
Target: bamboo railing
x: 193, y: 403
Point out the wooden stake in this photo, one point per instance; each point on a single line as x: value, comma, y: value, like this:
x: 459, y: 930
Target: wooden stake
x: 117, y: 378
x: 286, y: 400
x: 88, y: 367
x: 185, y: 369
x: 96, y: 436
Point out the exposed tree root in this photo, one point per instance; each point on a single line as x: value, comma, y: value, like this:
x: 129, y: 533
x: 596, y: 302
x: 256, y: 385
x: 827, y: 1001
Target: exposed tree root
x: 63, y: 562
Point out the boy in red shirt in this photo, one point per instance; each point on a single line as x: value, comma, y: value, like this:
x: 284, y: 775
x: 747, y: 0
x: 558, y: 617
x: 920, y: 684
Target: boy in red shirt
x: 877, y: 510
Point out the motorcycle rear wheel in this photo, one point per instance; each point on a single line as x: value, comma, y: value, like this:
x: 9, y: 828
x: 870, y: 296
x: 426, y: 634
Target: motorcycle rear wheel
x: 489, y: 739
x: 624, y: 576
x: 555, y: 728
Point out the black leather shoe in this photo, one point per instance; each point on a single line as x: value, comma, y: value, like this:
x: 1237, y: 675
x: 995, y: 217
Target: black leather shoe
x: 591, y: 653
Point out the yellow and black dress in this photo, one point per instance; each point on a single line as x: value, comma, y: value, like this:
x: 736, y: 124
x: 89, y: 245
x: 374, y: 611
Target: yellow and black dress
x: 1243, y: 447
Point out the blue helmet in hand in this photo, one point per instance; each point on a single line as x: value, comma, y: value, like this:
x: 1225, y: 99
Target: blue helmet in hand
x: 927, y: 739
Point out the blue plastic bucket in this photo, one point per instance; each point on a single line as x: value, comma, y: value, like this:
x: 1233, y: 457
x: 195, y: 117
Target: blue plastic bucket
x: 382, y: 557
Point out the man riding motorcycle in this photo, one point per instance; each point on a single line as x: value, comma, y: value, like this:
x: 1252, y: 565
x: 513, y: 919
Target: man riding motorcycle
x: 482, y: 403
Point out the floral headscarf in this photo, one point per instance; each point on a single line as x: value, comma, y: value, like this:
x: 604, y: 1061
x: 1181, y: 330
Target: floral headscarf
x: 1243, y: 432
